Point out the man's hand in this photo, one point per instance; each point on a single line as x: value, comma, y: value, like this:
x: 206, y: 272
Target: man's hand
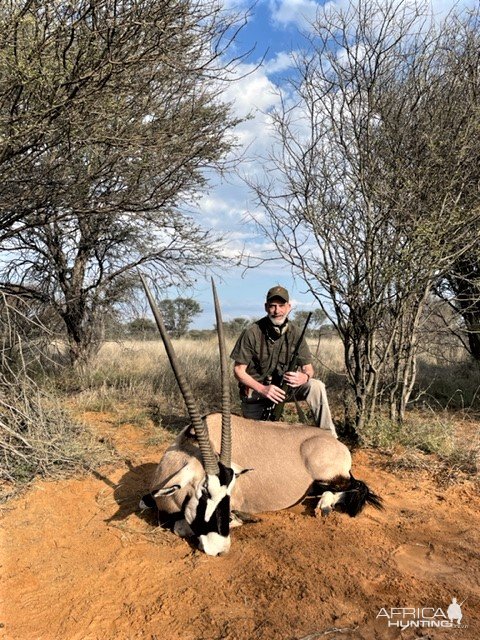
x: 273, y: 393
x: 296, y: 378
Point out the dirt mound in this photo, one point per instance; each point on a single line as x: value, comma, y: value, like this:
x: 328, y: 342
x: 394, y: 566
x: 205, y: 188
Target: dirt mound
x: 79, y: 562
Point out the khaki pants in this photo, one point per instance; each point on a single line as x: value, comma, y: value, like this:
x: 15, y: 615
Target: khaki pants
x: 314, y: 392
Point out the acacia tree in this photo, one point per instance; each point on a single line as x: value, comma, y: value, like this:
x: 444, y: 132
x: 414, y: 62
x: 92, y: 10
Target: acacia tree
x: 461, y: 287
x: 359, y: 198
x: 142, y: 327
x: 316, y: 320
x: 179, y: 314
x: 461, y: 282
x: 110, y: 111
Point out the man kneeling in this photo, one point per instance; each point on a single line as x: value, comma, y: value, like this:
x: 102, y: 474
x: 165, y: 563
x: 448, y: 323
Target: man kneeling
x: 262, y: 353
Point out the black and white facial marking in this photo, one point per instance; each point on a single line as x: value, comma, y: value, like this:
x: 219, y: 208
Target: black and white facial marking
x: 211, y: 523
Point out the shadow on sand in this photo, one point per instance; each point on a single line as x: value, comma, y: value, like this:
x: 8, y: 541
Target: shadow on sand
x: 128, y: 492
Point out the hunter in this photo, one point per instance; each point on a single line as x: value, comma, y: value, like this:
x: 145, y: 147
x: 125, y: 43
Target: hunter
x: 262, y: 355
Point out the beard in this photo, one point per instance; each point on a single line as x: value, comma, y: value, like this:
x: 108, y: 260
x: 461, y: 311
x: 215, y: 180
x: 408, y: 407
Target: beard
x: 277, y: 322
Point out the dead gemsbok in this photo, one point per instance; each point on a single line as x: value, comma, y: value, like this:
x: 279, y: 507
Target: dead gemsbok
x: 203, y: 494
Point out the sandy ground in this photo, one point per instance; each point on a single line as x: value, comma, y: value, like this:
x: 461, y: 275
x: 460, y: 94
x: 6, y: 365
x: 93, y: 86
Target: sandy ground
x: 80, y: 562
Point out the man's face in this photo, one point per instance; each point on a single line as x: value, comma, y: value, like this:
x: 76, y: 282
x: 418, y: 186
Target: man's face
x: 277, y: 310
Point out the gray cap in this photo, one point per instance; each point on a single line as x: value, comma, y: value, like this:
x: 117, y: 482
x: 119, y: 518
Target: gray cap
x: 278, y: 292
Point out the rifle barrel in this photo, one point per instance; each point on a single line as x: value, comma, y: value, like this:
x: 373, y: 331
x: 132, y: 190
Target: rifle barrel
x: 276, y: 411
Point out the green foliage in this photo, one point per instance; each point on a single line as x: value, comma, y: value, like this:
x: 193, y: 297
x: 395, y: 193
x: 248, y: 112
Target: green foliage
x: 432, y: 442
x: 454, y: 385
x: 434, y: 434
x: 316, y: 321
x: 178, y: 314
x: 142, y: 328
x: 233, y: 328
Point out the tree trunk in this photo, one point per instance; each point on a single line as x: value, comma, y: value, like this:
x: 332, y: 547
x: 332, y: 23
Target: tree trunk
x: 473, y: 327
x: 84, y: 333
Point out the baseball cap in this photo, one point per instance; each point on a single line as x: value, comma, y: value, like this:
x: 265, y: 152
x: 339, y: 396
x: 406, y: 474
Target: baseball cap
x: 278, y: 292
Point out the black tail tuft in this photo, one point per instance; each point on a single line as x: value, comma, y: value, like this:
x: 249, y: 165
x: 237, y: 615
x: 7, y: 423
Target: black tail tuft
x: 357, y: 496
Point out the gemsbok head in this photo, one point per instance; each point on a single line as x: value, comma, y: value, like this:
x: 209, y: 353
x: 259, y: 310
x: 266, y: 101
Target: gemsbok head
x: 208, y: 488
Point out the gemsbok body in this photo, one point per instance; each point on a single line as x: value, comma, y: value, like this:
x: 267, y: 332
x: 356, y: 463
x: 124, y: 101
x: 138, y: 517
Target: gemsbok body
x: 263, y: 466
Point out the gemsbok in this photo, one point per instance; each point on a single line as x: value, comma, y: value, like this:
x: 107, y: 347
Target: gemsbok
x: 202, y: 494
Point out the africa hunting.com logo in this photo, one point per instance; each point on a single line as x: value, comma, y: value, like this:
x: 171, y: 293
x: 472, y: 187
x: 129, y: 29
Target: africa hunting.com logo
x: 420, y: 617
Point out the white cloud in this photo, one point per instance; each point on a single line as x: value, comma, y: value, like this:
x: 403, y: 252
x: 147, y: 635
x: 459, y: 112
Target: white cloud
x: 253, y: 96
x: 302, y: 13
x: 299, y: 12
x: 252, y: 90
x: 215, y: 206
x: 282, y: 61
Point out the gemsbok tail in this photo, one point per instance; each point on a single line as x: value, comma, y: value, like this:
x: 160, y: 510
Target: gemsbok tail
x: 356, y: 496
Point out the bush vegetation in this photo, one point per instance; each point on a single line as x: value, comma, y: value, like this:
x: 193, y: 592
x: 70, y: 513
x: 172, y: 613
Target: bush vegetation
x: 133, y: 381
x: 138, y: 373
x: 39, y: 437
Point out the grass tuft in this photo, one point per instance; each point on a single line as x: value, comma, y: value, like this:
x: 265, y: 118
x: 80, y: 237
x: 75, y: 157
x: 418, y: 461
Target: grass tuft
x: 38, y: 437
x: 435, y: 443
x: 432, y: 435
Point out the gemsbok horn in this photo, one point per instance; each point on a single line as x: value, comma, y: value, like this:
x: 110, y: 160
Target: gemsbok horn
x: 207, y: 511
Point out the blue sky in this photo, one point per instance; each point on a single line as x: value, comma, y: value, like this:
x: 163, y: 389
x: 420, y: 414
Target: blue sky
x: 273, y: 28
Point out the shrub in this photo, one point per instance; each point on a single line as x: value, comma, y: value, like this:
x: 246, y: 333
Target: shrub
x: 38, y: 436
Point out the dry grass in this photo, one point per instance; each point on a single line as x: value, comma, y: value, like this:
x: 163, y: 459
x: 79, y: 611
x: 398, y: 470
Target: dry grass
x: 137, y: 356
x: 38, y: 437
x: 439, y: 443
x: 139, y: 372
x: 328, y: 356
x: 132, y: 359
x: 132, y: 380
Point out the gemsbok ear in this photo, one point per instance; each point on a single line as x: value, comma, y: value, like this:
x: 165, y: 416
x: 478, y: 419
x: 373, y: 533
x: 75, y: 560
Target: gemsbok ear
x: 167, y: 491
x: 239, y: 471
x: 179, y: 480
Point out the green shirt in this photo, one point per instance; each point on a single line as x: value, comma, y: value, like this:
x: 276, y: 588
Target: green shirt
x: 265, y: 352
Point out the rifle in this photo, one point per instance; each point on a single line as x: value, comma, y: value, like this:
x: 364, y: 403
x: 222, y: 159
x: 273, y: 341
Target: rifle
x: 274, y: 411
